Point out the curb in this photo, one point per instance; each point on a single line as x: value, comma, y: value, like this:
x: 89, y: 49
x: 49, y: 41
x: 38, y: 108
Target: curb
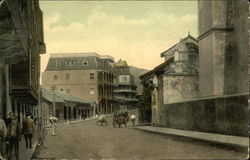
x: 236, y: 147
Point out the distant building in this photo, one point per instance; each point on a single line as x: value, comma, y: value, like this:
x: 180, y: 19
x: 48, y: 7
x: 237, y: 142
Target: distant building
x: 85, y: 75
x: 67, y: 106
x: 176, y: 79
x: 125, y: 90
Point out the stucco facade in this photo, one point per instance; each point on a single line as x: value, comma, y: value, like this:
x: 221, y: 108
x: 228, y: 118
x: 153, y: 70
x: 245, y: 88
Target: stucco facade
x: 179, y: 88
x: 85, y: 75
x: 78, y: 83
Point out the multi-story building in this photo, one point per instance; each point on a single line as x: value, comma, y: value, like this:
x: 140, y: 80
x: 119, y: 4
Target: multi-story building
x: 21, y: 43
x: 125, y: 90
x: 85, y: 75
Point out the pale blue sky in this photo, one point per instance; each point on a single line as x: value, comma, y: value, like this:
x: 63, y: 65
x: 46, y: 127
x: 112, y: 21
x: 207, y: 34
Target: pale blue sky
x: 137, y: 31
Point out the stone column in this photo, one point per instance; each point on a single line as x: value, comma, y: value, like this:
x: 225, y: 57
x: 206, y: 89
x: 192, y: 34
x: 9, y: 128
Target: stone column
x: 223, y: 47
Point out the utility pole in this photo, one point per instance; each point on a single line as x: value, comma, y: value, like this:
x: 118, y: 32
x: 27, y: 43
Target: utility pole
x: 54, y: 101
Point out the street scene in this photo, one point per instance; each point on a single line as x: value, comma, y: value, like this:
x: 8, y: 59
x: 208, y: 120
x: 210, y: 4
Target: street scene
x: 106, y: 142
x: 124, y: 79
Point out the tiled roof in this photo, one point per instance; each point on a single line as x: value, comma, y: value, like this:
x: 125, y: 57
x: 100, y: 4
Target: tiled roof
x: 183, y: 40
x: 61, y: 97
x: 157, y: 68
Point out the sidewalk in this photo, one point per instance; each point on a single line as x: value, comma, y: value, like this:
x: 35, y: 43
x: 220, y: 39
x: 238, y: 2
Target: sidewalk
x: 226, y: 140
x: 26, y: 154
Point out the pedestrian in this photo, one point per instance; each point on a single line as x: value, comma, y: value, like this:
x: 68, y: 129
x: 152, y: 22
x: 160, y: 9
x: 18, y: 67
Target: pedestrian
x: 3, y: 132
x: 53, y: 121
x: 8, y: 119
x: 96, y: 116
x: 13, y: 137
x: 101, y: 117
x: 133, y: 119
x: 7, y: 123
x: 28, y: 130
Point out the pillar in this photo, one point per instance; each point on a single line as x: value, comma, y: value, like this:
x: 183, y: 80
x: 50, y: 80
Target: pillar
x: 223, y: 47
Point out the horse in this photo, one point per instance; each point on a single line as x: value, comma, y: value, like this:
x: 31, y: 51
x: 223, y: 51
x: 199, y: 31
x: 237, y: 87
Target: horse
x: 120, y: 120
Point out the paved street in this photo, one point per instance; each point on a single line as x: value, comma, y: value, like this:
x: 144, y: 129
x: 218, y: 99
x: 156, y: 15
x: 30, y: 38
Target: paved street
x: 85, y: 140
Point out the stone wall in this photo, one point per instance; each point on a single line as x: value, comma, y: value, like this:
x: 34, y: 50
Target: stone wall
x: 224, y: 115
x: 179, y: 88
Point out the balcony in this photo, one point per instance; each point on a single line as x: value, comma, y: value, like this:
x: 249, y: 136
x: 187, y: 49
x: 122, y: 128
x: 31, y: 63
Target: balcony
x: 126, y: 99
x: 124, y: 91
x: 13, y: 32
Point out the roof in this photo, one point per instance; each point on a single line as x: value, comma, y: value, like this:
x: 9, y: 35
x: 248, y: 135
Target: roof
x: 159, y: 68
x: 48, y: 95
x: 81, y: 61
x: 121, y: 63
x: 188, y: 37
x: 82, y: 54
x: 61, y: 97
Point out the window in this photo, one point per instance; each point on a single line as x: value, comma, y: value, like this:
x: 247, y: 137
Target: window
x: 85, y: 63
x: 55, y: 77
x: 67, y: 90
x: 70, y: 63
x: 124, y: 79
x: 67, y: 76
x: 58, y: 63
x: 92, y: 91
x: 176, y: 56
x: 91, y: 76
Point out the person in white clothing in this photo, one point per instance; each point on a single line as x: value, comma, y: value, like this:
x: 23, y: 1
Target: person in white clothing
x: 101, y: 117
x: 133, y: 119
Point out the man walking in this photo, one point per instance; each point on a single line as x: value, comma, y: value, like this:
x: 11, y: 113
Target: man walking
x: 53, y: 121
x: 133, y: 118
x: 3, y: 132
x: 13, y: 137
x: 28, y: 130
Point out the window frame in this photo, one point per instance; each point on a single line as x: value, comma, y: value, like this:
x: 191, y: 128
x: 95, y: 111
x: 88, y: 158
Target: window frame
x: 92, y: 91
x: 58, y: 63
x: 91, y: 76
x: 55, y: 77
x: 67, y: 76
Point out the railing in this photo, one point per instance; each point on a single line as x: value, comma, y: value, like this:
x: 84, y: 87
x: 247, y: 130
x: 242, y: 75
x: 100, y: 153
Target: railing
x: 19, y: 22
x: 125, y: 90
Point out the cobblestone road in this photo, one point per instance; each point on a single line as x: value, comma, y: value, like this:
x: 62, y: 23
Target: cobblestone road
x: 85, y: 140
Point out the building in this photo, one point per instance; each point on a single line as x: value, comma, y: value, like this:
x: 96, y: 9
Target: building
x: 223, y: 48
x: 222, y: 103
x: 125, y: 90
x: 21, y: 43
x: 176, y: 79
x: 67, y: 106
x: 87, y: 76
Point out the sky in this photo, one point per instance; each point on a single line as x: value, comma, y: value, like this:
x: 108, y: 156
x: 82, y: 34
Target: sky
x: 135, y: 31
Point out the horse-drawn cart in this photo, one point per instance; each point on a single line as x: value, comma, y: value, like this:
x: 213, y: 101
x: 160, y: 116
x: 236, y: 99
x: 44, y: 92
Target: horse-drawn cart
x: 101, y: 121
x: 120, y: 119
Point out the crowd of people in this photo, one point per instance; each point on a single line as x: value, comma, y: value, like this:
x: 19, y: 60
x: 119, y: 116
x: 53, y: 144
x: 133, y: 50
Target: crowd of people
x: 11, y: 132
